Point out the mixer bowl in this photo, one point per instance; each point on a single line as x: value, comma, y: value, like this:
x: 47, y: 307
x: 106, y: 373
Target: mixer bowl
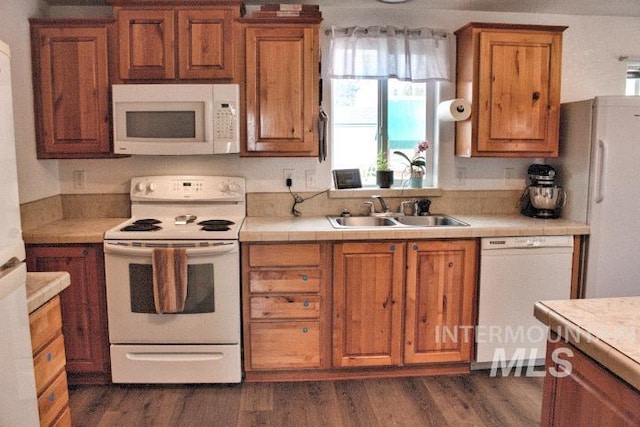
x: 547, y: 197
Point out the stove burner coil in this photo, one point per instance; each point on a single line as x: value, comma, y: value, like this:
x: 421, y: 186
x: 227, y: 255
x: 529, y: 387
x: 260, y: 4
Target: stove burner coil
x: 141, y: 227
x: 147, y: 221
x: 219, y: 227
x: 216, y: 222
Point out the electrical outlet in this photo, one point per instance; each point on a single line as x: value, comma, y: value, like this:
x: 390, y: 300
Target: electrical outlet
x: 461, y: 176
x: 310, y: 175
x: 287, y: 175
x: 79, y: 179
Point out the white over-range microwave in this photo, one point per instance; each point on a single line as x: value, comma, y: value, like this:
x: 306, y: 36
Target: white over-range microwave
x: 176, y: 119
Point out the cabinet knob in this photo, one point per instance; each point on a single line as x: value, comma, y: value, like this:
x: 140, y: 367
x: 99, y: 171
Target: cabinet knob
x: 49, y: 357
x: 85, y: 252
x: 52, y: 397
x: 305, y: 330
x: 305, y: 303
x: 535, y: 96
x: 305, y: 277
x: 392, y: 248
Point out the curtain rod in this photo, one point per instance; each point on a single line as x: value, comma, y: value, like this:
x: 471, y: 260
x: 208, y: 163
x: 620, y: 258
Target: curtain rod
x: 383, y: 30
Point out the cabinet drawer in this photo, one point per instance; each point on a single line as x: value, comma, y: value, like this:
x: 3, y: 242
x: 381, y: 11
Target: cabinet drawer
x: 48, y: 363
x: 285, y: 306
x: 285, y: 345
x: 45, y: 323
x: 54, y: 400
x: 284, y: 255
x: 64, y: 420
x: 285, y: 281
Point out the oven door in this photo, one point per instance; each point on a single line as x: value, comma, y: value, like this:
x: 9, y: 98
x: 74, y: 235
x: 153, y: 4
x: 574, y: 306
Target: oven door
x: 212, y: 307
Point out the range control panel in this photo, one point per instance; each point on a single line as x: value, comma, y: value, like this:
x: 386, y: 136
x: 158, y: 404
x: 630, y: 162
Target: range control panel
x: 191, y: 188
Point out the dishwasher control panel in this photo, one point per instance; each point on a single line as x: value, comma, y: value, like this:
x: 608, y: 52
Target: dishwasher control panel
x: 526, y: 242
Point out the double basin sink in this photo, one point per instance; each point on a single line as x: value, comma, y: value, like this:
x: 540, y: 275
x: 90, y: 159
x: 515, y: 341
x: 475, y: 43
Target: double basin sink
x: 436, y: 220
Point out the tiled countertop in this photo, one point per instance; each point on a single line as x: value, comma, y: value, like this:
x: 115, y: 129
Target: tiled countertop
x: 64, y: 231
x: 41, y: 287
x: 606, y: 329
x: 259, y: 229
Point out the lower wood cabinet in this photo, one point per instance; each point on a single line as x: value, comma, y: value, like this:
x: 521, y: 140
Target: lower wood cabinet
x: 439, y: 309
x: 84, y: 309
x: 353, y: 309
x: 47, y: 342
x: 368, y: 284
x: 583, y: 393
x: 286, y: 315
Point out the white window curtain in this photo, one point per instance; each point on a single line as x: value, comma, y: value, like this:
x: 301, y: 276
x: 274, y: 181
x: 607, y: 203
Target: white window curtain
x: 417, y: 55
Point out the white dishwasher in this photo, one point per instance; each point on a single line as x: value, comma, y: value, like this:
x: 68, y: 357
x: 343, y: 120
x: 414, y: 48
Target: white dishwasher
x: 515, y: 273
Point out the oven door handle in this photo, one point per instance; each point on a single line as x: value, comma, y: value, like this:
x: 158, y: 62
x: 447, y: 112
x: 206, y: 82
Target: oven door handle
x: 218, y: 249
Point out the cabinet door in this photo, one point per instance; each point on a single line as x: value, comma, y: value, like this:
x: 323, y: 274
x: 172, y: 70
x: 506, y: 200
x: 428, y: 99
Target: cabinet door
x: 282, y: 98
x: 440, y: 301
x: 368, y: 284
x: 83, y: 303
x: 519, y: 92
x: 205, y: 44
x: 146, y: 43
x: 580, y: 392
x: 71, y: 83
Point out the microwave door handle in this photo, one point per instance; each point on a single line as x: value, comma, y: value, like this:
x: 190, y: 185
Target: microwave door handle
x: 218, y: 249
x: 208, y: 118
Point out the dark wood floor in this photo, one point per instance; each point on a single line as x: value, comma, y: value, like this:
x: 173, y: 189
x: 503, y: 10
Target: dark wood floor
x: 466, y: 400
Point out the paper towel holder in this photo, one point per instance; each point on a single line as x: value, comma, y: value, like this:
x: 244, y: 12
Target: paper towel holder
x: 454, y: 110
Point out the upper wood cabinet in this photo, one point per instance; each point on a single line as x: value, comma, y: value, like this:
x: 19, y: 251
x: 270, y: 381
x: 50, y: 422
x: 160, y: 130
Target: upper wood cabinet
x: 71, y: 87
x: 511, y: 76
x: 282, y: 89
x: 176, y: 42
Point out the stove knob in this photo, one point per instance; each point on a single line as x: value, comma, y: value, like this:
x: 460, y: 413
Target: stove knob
x: 234, y: 187
x: 223, y: 187
x: 152, y: 187
x: 141, y: 187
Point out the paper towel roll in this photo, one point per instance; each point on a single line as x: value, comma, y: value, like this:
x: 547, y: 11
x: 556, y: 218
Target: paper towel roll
x: 454, y: 110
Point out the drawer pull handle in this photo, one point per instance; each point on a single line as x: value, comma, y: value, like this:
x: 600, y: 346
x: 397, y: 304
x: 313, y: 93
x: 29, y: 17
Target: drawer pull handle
x: 305, y: 303
x: 305, y: 330
x: 52, y: 397
x: 49, y: 357
x: 305, y: 277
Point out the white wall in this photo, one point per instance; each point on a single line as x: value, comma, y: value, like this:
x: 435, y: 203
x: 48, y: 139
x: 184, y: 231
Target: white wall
x: 590, y: 67
x: 36, y: 178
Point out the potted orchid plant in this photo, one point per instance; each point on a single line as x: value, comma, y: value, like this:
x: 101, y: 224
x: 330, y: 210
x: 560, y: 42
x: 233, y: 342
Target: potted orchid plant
x: 416, y: 165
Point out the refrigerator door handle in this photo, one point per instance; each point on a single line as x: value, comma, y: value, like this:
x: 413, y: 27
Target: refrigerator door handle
x: 601, y: 160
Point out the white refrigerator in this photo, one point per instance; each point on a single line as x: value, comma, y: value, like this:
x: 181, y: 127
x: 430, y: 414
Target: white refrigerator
x: 599, y: 168
x: 18, y: 403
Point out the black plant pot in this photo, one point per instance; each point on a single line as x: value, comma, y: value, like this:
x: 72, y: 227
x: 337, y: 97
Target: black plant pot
x: 384, y: 179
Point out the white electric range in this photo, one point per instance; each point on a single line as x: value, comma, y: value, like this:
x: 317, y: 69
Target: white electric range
x: 201, y: 216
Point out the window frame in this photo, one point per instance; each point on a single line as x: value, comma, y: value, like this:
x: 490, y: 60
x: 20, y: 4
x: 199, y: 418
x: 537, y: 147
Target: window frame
x: 432, y: 98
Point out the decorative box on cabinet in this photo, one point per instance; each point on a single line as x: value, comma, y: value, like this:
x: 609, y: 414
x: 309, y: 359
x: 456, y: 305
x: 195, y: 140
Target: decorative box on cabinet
x: 84, y: 308
x: 167, y: 40
x: 47, y: 343
x: 71, y: 87
x: 282, y: 88
x: 511, y: 76
x: 286, y: 316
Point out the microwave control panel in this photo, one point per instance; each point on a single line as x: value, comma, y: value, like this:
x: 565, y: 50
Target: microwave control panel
x: 226, y: 119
